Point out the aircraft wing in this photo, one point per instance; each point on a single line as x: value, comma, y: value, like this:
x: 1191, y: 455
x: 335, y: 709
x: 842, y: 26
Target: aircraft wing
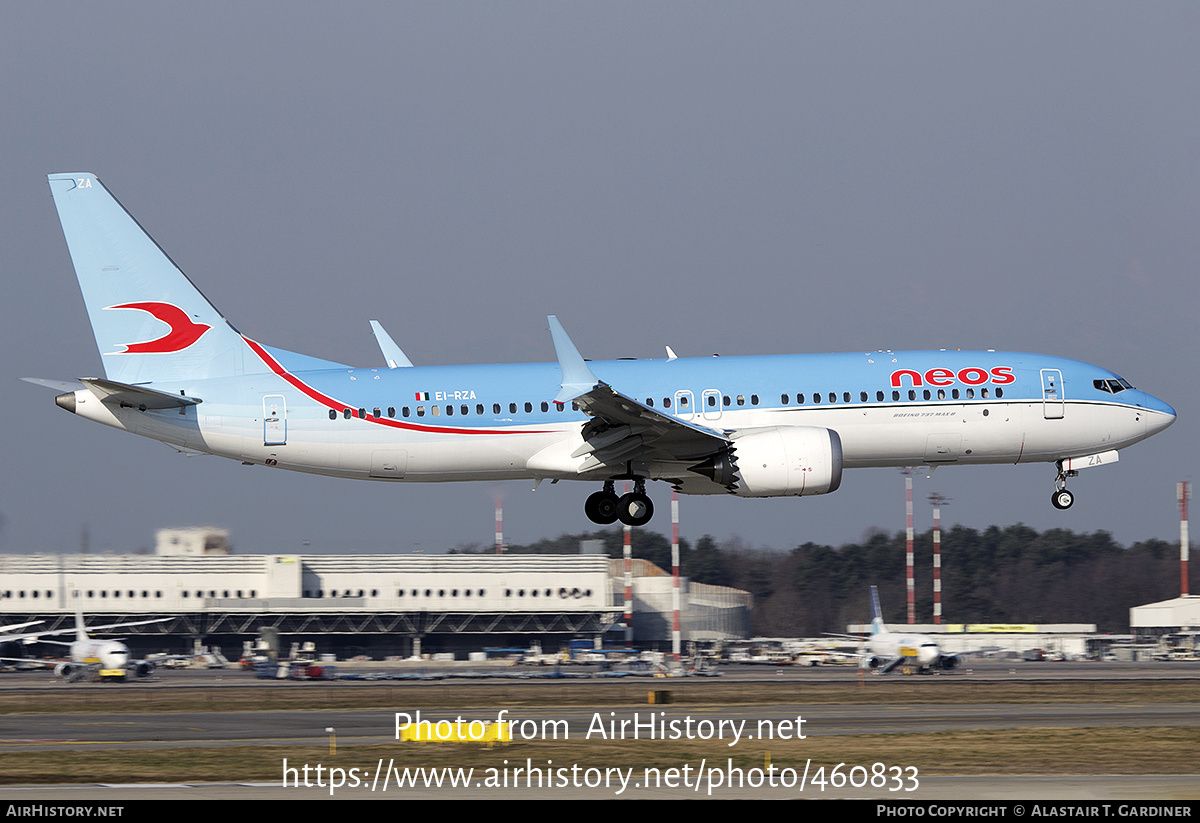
x: 622, y: 428
x: 32, y: 661
x: 8, y: 638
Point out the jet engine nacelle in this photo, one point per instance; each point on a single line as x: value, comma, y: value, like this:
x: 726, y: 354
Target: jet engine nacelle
x: 67, y: 671
x: 143, y: 668
x: 948, y: 661
x: 796, y: 460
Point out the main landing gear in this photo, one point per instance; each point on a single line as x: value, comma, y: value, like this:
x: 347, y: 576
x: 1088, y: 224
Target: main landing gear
x: 1062, y: 499
x: 633, y: 509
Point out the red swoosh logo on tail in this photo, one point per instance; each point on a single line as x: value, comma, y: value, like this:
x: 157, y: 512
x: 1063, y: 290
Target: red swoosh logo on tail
x: 183, y: 331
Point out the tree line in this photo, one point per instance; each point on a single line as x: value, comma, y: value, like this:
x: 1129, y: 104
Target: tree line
x: 1010, y: 574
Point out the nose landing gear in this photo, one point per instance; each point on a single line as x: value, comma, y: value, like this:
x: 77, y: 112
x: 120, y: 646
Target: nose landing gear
x: 633, y: 509
x: 1062, y: 499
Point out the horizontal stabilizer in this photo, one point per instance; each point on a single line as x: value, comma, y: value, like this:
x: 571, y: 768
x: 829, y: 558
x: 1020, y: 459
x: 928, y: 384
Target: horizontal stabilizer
x: 57, y: 385
x: 138, y: 397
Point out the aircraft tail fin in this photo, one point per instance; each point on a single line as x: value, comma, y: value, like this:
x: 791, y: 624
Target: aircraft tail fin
x: 877, y: 625
x: 80, y: 630
x: 150, y: 322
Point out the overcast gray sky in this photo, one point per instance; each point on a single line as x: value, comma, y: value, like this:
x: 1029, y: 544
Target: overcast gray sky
x: 738, y: 178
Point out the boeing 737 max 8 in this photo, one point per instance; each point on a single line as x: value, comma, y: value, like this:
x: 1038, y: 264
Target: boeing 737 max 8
x: 778, y: 425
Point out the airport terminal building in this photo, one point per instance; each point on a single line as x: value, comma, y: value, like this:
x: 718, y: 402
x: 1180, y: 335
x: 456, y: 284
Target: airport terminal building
x: 380, y: 605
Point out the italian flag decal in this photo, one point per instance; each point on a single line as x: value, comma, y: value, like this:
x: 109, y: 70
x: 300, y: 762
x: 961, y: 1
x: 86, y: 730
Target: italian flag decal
x: 422, y: 395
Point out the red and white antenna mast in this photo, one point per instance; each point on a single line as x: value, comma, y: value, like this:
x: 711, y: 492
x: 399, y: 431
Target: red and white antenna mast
x: 938, y: 501
x: 1183, y: 491
x: 499, y: 525
x: 908, y: 552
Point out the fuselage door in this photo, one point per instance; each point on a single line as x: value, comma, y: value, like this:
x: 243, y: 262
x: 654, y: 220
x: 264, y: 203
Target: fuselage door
x: 274, y: 420
x: 1052, y: 394
x: 711, y: 404
x: 685, y: 406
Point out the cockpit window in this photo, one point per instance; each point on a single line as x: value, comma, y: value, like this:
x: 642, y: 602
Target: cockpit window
x: 1114, y: 386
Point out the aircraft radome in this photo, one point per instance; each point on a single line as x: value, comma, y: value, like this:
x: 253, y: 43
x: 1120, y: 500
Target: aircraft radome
x: 766, y: 426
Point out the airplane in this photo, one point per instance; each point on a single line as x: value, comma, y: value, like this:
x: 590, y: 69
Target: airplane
x: 177, y: 371
x: 889, y: 650
x: 107, y: 659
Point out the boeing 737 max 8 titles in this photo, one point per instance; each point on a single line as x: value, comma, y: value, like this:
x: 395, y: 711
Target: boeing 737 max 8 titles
x: 769, y: 426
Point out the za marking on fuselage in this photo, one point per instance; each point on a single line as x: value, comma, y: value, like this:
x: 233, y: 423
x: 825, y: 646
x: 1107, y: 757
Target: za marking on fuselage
x: 769, y: 426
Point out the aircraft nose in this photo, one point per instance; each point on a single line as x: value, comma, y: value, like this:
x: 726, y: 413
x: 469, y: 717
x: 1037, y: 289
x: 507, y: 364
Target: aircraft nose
x: 1160, y: 416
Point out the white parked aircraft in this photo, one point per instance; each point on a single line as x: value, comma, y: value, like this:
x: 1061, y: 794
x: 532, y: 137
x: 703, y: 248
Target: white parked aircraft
x: 106, y: 659
x: 770, y: 426
x: 888, y: 650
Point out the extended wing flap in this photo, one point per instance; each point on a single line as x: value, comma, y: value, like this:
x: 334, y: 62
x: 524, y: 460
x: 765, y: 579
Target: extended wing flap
x: 623, y: 428
x: 664, y: 436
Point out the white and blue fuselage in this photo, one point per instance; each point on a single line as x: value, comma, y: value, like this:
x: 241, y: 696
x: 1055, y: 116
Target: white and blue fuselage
x: 754, y: 426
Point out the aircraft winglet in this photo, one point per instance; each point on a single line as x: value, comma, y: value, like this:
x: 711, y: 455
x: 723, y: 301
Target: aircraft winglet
x: 577, y: 378
x: 396, y: 359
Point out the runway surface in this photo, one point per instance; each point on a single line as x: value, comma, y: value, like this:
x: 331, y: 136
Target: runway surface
x: 101, y: 730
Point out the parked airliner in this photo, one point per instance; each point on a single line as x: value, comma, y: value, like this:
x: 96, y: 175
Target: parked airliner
x: 108, y: 659
x: 768, y: 426
x: 889, y: 650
